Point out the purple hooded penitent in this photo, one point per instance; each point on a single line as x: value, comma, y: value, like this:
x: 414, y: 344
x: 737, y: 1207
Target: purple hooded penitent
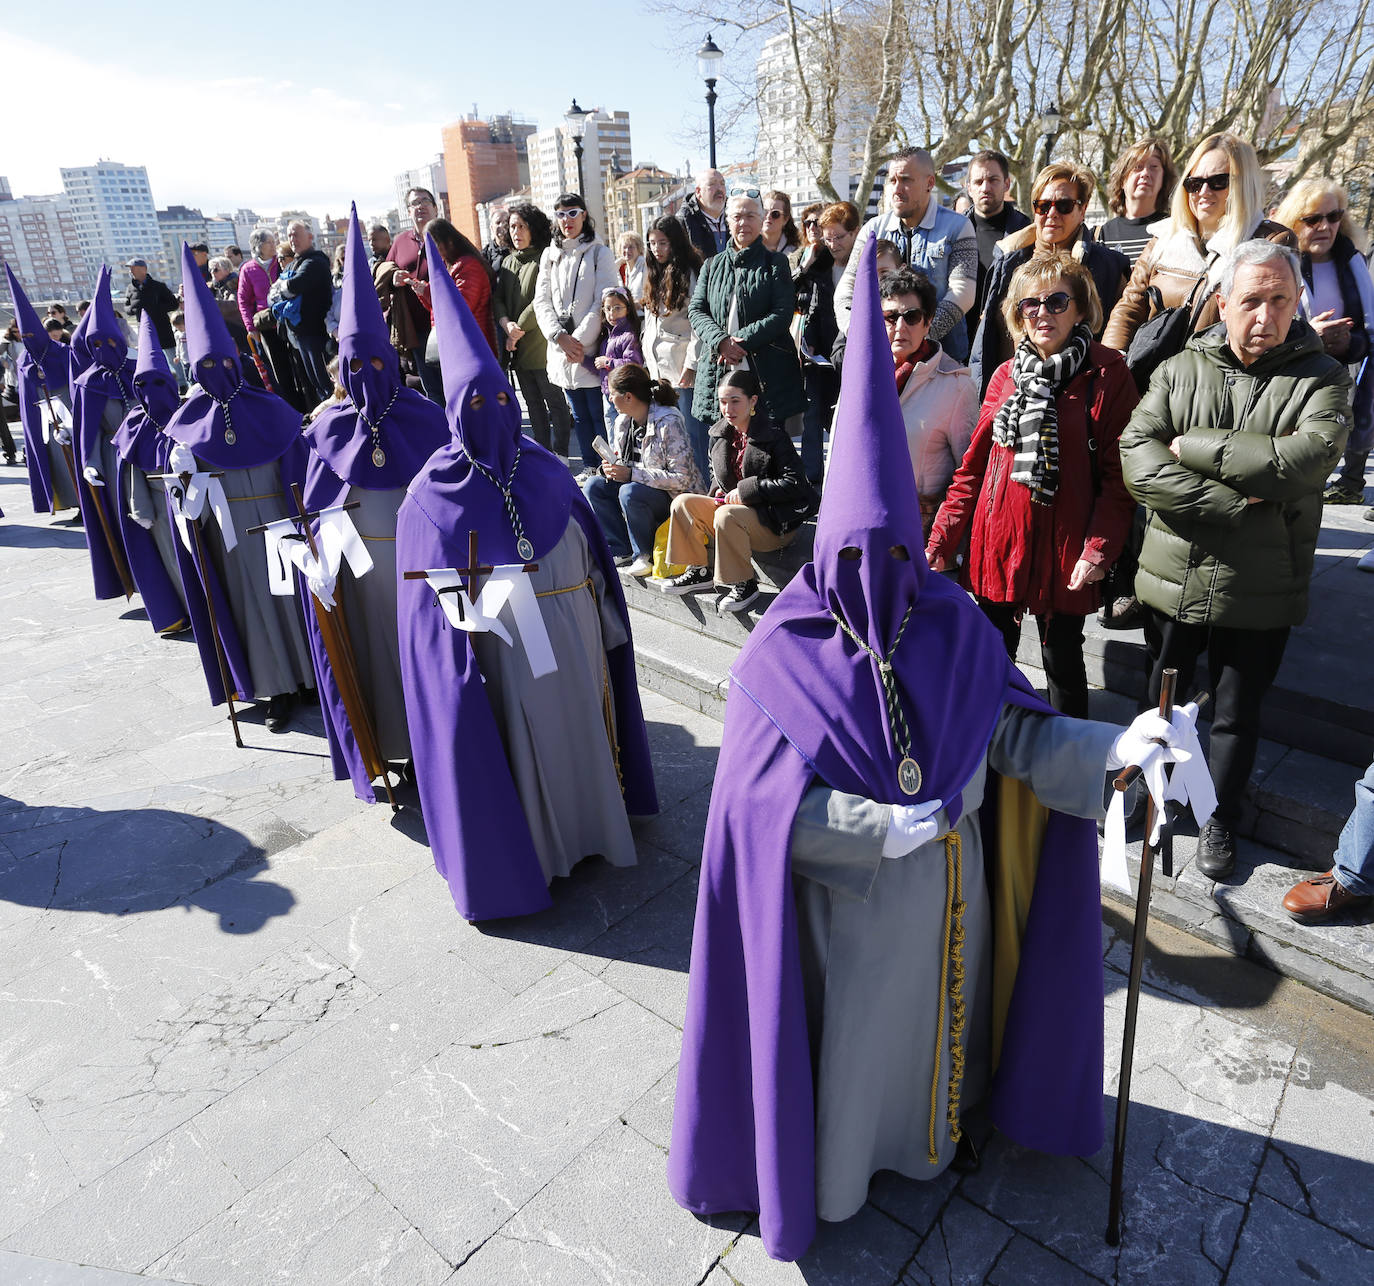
x: 142, y: 442
x: 228, y: 423
x: 378, y: 440
x: 473, y: 813
x: 44, y: 371
x: 102, y: 396
x: 806, y: 704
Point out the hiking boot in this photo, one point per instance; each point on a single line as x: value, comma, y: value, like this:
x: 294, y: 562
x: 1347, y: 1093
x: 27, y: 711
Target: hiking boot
x: 1342, y: 493
x: 1216, y: 851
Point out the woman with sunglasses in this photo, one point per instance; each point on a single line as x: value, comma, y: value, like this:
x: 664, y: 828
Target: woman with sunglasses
x: 1338, y: 299
x: 779, y: 231
x: 805, y: 254
x: 1039, y: 492
x: 1059, y: 203
x: 574, y: 273
x: 1218, y: 204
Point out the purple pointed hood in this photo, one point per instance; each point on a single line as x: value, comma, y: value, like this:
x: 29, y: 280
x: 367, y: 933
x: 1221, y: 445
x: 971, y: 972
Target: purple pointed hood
x: 228, y: 423
x: 484, y: 419
x: 102, y: 346
x: 40, y: 352
x: 382, y: 419
x: 154, y: 384
x: 818, y: 687
x: 82, y: 358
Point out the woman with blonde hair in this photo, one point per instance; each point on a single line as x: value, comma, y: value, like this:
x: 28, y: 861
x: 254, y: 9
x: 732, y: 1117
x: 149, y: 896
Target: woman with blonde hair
x: 1059, y: 202
x: 1338, y: 299
x: 631, y: 264
x: 1039, y: 492
x: 1218, y: 204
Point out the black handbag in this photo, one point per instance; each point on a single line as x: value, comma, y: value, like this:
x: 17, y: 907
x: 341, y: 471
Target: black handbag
x: 1165, y: 334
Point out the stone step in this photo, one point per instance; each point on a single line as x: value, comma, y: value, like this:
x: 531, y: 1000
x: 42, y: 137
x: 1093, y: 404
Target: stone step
x: 696, y: 612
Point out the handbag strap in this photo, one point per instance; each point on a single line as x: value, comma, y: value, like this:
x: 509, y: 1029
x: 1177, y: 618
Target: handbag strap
x: 1195, y: 311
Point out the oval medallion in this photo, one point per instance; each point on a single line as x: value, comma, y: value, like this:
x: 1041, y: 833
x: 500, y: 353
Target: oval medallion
x: 230, y: 437
x: 524, y: 549
x: 909, y: 776
x: 378, y: 457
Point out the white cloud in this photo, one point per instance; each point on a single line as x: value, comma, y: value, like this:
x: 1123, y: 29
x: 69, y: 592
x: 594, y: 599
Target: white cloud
x: 214, y: 143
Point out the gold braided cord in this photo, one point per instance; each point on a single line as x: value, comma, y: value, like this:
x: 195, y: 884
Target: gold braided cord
x: 954, y: 862
x: 271, y: 495
x: 392, y: 539
x: 567, y: 589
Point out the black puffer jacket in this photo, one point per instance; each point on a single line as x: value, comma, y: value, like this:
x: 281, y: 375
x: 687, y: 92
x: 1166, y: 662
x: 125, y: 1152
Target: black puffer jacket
x: 311, y: 279
x: 154, y: 297
x: 772, y: 481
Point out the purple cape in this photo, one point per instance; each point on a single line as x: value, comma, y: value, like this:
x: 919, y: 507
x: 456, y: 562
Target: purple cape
x: 806, y: 705
x: 263, y: 427
x: 410, y: 428
x: 476, y: 823
x: 44, y: 367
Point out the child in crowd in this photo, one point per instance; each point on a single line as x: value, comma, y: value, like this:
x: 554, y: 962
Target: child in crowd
x: 888, y: 256
x: 619, y: 345
x: 183, y: 355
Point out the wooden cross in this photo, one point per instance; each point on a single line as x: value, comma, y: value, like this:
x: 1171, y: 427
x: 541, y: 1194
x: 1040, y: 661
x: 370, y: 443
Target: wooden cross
x: 473, y: 571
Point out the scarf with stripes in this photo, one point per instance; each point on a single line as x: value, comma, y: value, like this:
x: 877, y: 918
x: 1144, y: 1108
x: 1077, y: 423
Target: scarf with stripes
x: 1028, y: 421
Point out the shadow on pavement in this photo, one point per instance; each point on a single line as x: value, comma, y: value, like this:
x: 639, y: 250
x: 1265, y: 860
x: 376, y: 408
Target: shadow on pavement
x: 128, y: 861
x: 18, y: 535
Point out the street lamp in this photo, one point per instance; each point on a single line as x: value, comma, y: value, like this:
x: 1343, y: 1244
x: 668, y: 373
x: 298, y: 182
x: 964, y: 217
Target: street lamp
x: 1050, y: 121
x: 708, y: 60
x: 577, y: 127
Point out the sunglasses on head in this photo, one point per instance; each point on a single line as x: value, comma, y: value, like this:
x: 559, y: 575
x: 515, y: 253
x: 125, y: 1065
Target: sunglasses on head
x: 912, y: 317
x: 1333, y: 217
x: 1065, y: 205
x: 749, y: 192
x: 1053, y: 304
x: 1217, y: 182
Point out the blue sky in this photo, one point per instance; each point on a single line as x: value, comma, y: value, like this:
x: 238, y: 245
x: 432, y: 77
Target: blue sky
x: 327, y: 111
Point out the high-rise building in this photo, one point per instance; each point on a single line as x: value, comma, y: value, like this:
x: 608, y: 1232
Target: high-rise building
x: 430, y: 177
x: 786, y: 157
x: 178, y: 223
x: 553, y: 160
x: 245, y: 223
x: 114, y: 212
x: 39, y: 240
x: 482, y: 160
x: 219, y: 232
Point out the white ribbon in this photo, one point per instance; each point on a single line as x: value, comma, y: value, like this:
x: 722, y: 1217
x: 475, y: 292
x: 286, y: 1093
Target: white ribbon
x: 191, y: 492
x: 58, y: 427
x: 337, y: 541
x: 506, y: 586
x: 1190, y: 783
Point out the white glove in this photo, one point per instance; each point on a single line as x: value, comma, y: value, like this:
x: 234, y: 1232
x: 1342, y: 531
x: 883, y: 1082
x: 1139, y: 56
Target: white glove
x: 63, y: 435
x: 910, y: 826
x: 182, y: 460
x: 1143, y: 738
x: 145, y: 523
x: 92, y: 475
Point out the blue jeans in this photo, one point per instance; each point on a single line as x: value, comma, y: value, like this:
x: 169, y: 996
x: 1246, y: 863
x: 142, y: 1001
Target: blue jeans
x: 1354, y: 864
x: 822, y: 389
x: 699, y: 435
x: 630, y: 513
x: 431, y: 378
x: 585, y: 405
x: 311, y: 349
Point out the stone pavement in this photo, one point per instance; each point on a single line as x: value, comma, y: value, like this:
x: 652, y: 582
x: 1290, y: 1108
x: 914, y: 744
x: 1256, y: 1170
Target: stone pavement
x: 245, y: 1038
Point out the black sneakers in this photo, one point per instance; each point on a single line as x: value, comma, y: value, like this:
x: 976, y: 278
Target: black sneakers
x: 737, y: 597
x: 693, y: 578
x: 1216, y: 851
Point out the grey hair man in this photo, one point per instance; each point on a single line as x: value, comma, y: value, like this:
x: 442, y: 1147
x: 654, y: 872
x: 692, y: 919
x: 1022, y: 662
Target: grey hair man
x: 1229, y: 451
x: 931, y: 238
x: 703, y: 214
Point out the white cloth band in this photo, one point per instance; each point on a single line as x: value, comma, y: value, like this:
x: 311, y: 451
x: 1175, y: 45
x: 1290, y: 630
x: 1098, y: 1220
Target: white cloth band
x: 1190, y: 783
x: 336, y: 539
x: 60, y: 420
x: 189, y: 499
x: 506, y: 586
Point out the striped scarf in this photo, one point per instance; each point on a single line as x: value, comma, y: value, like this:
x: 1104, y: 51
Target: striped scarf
x: 1028, y: 421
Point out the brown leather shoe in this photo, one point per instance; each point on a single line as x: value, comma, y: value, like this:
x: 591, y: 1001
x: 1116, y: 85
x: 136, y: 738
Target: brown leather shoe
x: 1316, y: 900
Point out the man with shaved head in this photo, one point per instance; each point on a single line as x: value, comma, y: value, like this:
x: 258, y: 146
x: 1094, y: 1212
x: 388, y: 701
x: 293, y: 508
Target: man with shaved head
x: 931, y: 238
x: 703, y: 214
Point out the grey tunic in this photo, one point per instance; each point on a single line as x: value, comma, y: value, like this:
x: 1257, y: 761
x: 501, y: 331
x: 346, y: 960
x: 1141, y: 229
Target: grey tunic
x: 371, y: 607
x: 147, y: 501
x: 872, y: 938
x: 269, y: 626
x: 554, y: 728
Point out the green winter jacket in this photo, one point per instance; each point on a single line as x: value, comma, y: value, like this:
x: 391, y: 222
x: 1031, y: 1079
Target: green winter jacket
x: 514, y: 298
x: 1272, y: 430
x: 767, y: 302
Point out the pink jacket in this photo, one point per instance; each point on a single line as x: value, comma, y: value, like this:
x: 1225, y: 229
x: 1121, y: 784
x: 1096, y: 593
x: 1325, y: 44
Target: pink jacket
x: 254, y: 283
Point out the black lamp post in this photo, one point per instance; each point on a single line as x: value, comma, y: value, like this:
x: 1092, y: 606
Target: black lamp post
x: 708, y: 59
x: 577, y: 127
x: 1050, y: 121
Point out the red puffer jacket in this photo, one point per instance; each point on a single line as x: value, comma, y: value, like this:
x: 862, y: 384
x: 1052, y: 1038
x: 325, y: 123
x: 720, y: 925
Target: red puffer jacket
x: 1024, y: 553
